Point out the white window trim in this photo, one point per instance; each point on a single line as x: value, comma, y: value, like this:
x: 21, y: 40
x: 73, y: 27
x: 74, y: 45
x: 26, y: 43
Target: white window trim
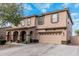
x: 28, y: 22
x: 55, y: 18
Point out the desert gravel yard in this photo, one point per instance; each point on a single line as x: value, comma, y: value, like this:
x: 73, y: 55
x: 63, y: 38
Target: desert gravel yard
x: 41, y: 50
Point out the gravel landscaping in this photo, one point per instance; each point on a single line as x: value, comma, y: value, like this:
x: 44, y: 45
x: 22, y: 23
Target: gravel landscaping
x: 10, y: 45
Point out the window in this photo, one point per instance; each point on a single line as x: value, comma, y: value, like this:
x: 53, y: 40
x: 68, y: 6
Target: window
x: 40, y: 20
x: 22, y: 23
x: 54, y: 17
x: 28, y: 22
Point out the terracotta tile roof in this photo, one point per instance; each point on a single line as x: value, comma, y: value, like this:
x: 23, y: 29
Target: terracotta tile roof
x: 46, y: 13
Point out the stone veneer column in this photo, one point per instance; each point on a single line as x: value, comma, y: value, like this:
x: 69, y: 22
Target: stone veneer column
x: 7, y: 35
x: 11, y: 35
x: 27, y: 37
x: 18, y: 35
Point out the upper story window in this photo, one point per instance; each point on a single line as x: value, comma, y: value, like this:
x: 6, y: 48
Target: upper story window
x: 55, y: 18
x: 28, y: 21
x: 22, y: 23
x: 40, y: 20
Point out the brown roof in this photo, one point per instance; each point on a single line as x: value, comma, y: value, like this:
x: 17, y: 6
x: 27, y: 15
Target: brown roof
x: 29, y: 16
x: 46, y: 13
x: 57, y: 11
x: 70, y: 17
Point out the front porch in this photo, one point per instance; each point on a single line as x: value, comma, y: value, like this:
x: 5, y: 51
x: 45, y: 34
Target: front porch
x: 21, y: 35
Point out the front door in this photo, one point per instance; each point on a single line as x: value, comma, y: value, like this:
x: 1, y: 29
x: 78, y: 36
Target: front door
x: 23, y: 36
x: 31, y: 34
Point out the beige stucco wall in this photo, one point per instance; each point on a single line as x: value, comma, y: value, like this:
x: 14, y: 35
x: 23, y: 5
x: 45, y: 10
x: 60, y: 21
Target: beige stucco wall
x: 49, y: 38
x: 75, y: 40
x: 69, y: 28
x: 47, y: 21
x: 49, y: 24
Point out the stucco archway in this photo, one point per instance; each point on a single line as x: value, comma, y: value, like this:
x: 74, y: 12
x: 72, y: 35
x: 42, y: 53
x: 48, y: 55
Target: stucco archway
x: 31, y: 34
x: 23, y: 36
x: 15, y: 36
x: 8, y: 36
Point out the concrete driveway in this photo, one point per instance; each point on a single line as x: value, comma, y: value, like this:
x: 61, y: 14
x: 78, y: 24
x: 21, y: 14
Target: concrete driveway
x: 41, y: 50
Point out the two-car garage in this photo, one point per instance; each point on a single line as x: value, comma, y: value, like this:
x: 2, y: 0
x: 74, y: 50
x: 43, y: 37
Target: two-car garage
x: 51, y: 37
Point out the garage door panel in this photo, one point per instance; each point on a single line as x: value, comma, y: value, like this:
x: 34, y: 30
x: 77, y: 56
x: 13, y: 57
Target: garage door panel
x: 50, y: 37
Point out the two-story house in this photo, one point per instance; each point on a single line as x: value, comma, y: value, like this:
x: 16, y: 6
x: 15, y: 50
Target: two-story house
x: 54, y: 27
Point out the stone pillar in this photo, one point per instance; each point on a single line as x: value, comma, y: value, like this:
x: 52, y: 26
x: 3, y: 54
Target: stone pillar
x: 27, y: 37
x: 11, y: 35
x: 7, y: 35
x: 19, y: 36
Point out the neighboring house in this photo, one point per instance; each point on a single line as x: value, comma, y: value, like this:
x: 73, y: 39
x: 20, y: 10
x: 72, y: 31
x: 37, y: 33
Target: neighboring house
x: 54, y: 27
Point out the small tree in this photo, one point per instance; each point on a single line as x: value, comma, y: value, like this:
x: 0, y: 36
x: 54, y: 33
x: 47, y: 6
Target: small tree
x: 77, y: 32
x: 10, y: 12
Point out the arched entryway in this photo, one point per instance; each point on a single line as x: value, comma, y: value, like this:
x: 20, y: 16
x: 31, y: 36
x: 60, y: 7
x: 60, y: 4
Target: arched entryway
x: 23, y: 36
x: 31, y: 34
x: 15, y: 36
x: 8, y: 36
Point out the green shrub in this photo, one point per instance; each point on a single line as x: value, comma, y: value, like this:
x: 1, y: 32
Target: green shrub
x: 35, y: 41
x: 2, y: 42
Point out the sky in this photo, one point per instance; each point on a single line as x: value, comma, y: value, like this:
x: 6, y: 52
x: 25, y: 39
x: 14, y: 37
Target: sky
x: 39, y: 8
